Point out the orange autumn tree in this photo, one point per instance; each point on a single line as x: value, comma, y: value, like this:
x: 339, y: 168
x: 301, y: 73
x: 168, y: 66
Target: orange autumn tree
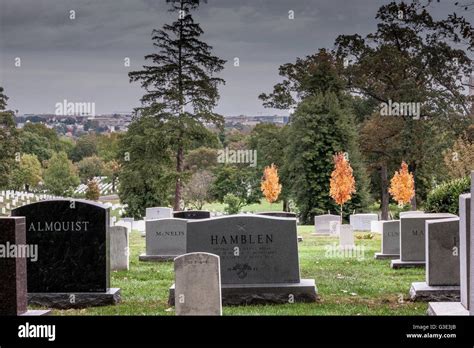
x: 402, y: 185
x: 270, y: 185
x: 342, y: 182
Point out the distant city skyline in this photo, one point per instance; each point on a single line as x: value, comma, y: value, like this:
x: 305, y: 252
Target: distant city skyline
x: 82, y: 59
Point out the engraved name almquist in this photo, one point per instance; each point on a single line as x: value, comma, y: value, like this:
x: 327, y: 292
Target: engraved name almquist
x: 59, y: 226
x: 242, y: 239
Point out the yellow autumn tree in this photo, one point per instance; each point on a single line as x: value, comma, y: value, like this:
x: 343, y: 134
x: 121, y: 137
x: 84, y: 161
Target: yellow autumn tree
x: 402, y: 185
x: 342, y: 182
x: 270, y: 185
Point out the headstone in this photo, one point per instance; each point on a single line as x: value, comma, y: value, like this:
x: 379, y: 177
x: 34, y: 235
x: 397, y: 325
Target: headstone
x: 390, y: 240
x: 158, y: 213
x: 412, y: 239
x: 465, y: 247
x: 442, y: 263
x: 258, y: 255
x: 198, y: 284
x: 192, y: 214
x: 165, y: 239
x: 333, y: 227
x: 346, y: 237
x: 361, y: 222
x: 376, y: 226
x: 406, y: 213
x: 119, y: 248
x: 284, y: 214
x: 72, y: 269
x: 13, y: 292
x: 321, y: 223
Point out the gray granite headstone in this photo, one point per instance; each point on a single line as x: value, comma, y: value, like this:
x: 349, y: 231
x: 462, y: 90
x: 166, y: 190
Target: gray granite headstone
x: 412, y: 234
x: 253, y: 249
x: 391, y: 237
x: 166, y: 237
x: 321, y: 222
x: 158, y: 213
x: 410, y: 212
x: 119, y: 248
x: 361, y: 222
x: 198, y: 284
x: 464, y: 246
x: 442, y: 252
x: 258, y: 255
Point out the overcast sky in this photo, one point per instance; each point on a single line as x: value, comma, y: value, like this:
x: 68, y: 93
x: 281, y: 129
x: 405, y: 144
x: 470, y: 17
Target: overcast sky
x: 82, y: 60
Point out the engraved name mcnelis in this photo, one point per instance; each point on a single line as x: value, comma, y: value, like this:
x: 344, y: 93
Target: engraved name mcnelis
x: 169, y: 233
x: 242, y: 239
x: 59, y: 226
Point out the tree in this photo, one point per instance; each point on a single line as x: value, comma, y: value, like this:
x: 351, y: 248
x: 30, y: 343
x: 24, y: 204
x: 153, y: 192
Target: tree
x: 93, y: 192
x: 402, y: 185
x: 60, y: 178
x: 270, y: 185
x: 90, y: 167
x: 321, y: 126
x: 9, y: 143
x: 35, y: 144
x: 86, y: 146
x: 411, y: 58
x: 180, y: 84
x: 241, y: 182
x: 146, y: 174
x: 459, y: 160
x: 202, y: 158
x: 112, y: 171
x: 342, y: 183
x: 28, y: 173
x: 197, y: 191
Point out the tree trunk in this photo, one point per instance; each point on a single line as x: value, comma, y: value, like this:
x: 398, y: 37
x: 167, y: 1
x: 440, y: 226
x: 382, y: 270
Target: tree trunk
x: 179, y: 171
x: 413, y: 200
x: 285, y: 205
x: 384, y: 191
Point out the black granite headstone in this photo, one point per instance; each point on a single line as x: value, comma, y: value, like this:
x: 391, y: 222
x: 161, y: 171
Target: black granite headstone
x: 73, y: 246
x: 284, y: 214
x: 192, y: 214
x: 13, y: 298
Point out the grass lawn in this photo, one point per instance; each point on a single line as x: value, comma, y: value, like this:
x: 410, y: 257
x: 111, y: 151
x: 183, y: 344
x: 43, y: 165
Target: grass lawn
x: 347, y: 286
x: 252, y: 208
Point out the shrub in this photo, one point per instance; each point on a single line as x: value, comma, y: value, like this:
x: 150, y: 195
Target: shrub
x: 233, y: 204
x: 445, y: 197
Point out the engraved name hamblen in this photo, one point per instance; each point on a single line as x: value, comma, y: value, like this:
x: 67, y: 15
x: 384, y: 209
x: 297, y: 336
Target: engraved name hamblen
x: 59, y: 226
x: 242, y: 239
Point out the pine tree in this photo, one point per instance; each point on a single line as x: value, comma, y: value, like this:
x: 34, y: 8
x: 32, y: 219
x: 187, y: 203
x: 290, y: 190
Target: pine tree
x: 9, y: 142
x: 181, y: 90
x: 322, y: 126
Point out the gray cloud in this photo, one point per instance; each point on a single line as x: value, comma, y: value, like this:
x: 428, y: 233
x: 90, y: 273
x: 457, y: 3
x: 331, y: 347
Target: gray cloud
x: 82, y: 59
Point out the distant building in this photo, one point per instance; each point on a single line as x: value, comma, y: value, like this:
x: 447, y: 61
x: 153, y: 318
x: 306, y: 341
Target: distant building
x: 254, y: 120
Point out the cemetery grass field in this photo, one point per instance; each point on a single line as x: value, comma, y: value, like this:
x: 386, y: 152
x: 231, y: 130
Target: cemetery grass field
x: 345, y: 286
